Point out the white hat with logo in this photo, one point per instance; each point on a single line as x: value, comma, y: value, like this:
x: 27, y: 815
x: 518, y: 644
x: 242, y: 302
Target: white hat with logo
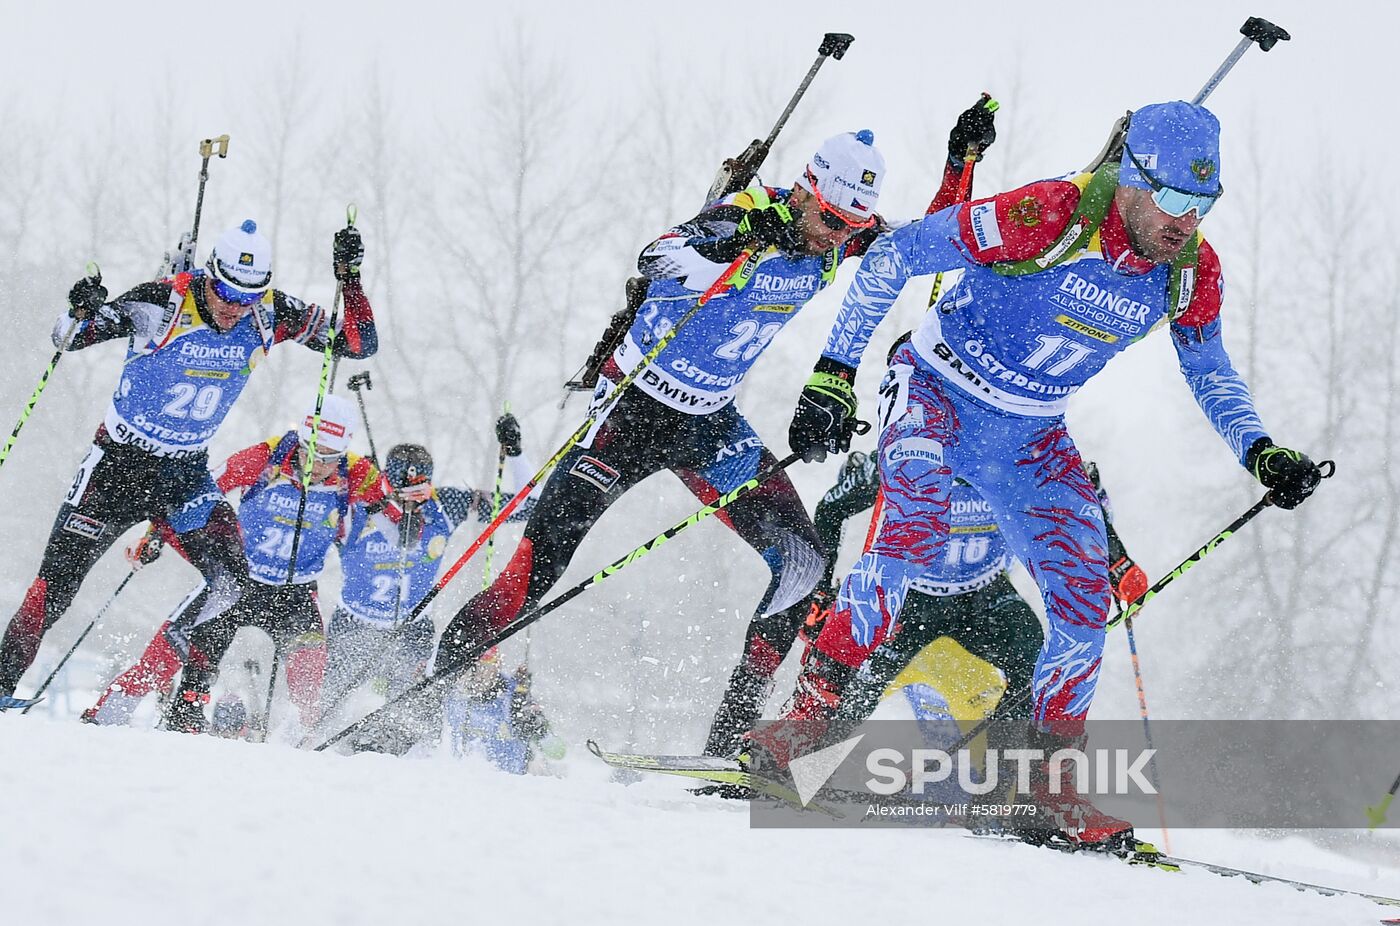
x: 847, y: 172
x: 337, y: 425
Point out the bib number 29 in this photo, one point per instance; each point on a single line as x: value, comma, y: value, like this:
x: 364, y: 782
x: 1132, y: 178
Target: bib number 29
x: 191, y: 401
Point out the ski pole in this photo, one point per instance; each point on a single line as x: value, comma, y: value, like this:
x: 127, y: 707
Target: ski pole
x: 79, y: 642
x: 1010, y: 702
x: 94, y: 273
x: 1375, y: 815
x: 495, y: 508
x: 974, y: 150
x: 355, y: 383
x: 309, y: 451
x: 257, y: 732
x: 1146, y: 728
x: 1327, y: 468
x: 520, y: 623
x: 735, y: 275
x: 260, y: 729
x: 737, y: 173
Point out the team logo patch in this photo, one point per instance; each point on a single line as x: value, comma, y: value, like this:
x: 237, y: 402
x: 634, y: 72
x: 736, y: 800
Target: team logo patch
x: 915, y: 448
x: 245, y: 259
x: 857, y: 205
x: 985, y: 229
x: 333, y: 428
x: 84, y: 526
x: 1203, y: 168
x: 868, y: 178
x: 595, y: 471
x: 1026, y: 212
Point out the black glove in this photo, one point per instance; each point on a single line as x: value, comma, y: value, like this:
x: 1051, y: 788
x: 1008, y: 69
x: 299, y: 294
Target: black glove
x: 974, y: 127
x: 347, y: 253
x: 1289, y: 475
x: 508, y: 434
x: 86, y: 297
x: 825, y: 413
x: 775, y: 224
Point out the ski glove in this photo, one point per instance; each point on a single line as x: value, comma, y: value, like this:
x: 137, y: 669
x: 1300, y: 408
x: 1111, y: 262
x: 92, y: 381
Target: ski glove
x: 347, y: 253
x: 820, y: 605
x: 86, y: 297
x: 1289, y: 475
x: 1128, y: 580
x: 974, y: 127
x: 508, y: 434
x: 146, y: 550
x: 774, y: 225
x: 823, y: 422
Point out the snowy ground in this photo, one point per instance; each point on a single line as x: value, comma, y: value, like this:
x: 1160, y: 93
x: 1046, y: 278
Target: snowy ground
x: 132, y: 826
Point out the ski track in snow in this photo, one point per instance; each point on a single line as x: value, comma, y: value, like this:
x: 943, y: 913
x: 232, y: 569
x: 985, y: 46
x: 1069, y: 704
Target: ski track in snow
x: 125, y: 826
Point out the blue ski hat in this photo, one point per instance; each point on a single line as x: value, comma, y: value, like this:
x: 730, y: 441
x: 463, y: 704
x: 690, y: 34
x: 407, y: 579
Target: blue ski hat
x: 408, y: 465
x: 1178, y: 144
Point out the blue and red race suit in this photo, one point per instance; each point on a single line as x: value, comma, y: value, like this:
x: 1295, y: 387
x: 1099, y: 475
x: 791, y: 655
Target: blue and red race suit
x: 981, y: 392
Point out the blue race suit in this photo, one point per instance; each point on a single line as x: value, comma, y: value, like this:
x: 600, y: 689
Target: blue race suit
x: 680, y: 416
x: 148, y: 460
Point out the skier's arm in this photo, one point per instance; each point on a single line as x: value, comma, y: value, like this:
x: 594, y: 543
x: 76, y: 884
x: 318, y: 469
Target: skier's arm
x: 138, y: 313
x: 309, y: 324
x: 1200, y: 347
x: 698, y: 251
x: 367, y: 484
x: 243, y: 468
x: 947, y: 194
x: 1010, y: 226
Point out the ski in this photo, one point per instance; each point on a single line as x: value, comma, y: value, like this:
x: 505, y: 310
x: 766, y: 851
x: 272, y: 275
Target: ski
x: 1226, y: 871
x: 1137, y: 852
x: 9, y: 704
x: 1128, y: 849
x: 710, y: 769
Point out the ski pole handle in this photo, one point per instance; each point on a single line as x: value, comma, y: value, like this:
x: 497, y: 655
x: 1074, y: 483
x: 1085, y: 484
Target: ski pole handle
x: 354, y: 384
